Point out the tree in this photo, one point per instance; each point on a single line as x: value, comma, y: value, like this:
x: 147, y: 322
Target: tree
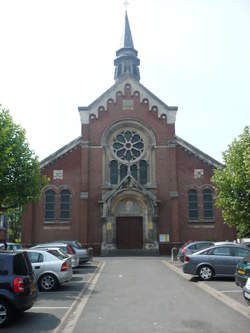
x: 14, y: 218
x: 20, y: 180
x: 232, y: 185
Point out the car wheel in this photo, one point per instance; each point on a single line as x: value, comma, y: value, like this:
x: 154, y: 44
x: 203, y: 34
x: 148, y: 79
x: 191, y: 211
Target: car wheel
x: 205, y: 273
x: 48, y: 282
x: 5, y: 313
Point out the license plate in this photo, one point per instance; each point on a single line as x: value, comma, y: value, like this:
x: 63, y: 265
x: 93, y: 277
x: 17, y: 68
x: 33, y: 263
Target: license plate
x: 241, y: 272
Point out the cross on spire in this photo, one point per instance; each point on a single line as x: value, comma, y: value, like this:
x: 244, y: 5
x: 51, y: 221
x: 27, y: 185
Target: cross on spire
x: 126, y: 4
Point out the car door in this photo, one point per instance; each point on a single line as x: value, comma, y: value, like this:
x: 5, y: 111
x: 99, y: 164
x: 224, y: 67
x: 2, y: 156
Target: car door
x: 37, y: 262
x: 239, y: 253
x: 223, y: 260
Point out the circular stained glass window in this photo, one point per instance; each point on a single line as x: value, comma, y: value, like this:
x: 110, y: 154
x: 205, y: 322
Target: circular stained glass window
x: 128, y: 145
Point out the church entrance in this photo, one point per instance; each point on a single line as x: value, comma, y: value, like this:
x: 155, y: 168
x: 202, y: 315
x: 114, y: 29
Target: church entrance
x: 129, y: 232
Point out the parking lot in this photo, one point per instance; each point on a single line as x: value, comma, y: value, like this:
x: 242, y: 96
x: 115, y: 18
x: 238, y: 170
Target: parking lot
x: 51, y: 308
x: 54, y: 310
x: 224, y: 286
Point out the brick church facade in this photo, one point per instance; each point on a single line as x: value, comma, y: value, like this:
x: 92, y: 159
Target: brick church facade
x: 128, y: 182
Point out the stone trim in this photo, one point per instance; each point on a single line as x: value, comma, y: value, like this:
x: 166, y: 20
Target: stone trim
x: 154, y: 103
x: 84, y: 195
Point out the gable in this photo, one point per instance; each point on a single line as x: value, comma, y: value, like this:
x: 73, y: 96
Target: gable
x: 137, y: 89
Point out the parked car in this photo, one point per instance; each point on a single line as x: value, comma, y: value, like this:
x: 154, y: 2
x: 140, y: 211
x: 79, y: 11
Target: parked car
x: 50, y: 271
x: 242, y: 271
x: 192, y: 247
x: 10, y: 246
x: 66, y: 248
x: 246, y: 290
x: 82, y: 253
x: 219, y: 260
x: 18, y: 289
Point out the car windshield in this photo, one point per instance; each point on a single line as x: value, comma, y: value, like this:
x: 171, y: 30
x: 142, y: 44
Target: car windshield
x: 57, y: 254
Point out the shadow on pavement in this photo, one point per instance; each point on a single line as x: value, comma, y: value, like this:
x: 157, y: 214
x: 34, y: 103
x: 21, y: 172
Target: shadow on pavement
x: 32, y: 322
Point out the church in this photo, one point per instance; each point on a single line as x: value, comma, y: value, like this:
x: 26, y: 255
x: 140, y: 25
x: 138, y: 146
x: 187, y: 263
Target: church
x: 128, y: 184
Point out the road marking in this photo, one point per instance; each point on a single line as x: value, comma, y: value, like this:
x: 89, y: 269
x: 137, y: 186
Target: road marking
x: 49, y: 307
x: 71, y: 317
x: 230, y: 291
x: 237, y: 306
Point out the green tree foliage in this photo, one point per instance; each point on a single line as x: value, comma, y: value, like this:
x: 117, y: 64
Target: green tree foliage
x: 14, y: 216
x: 20, y: 180
x: 233, y: 185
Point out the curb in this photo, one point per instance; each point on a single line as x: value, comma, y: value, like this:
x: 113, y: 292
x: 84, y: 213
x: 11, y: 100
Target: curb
x: 236, y: 306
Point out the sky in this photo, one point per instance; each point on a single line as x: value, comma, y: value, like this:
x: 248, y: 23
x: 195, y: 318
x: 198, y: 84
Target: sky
x: 56, y: 55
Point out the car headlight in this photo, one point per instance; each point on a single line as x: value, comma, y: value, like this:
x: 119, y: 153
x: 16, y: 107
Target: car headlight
x: 247, y: 285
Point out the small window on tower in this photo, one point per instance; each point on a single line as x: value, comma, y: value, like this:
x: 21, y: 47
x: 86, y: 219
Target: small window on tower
x: 119, y: 70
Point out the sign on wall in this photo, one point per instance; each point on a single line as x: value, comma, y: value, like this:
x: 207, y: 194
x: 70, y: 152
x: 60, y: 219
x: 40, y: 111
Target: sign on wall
x: 57, y: 174
x: 164, y: 238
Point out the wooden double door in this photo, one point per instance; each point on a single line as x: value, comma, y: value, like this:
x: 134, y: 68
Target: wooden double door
x: 129, y: 232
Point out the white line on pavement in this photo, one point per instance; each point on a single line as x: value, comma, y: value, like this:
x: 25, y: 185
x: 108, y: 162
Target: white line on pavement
x: 49, y: 307
x: 230, y: 291
x: 242, y: 309
x: 70, y: 319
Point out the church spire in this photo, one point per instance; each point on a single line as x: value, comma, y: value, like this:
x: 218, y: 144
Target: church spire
x: 127, y: 62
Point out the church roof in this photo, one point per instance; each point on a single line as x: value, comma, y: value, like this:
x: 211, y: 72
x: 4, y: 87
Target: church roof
x: 178, y: 141
x: 61, y: 152
x: 197, y: 153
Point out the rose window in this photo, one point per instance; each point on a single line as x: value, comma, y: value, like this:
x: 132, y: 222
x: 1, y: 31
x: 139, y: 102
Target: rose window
x: 128, y: 145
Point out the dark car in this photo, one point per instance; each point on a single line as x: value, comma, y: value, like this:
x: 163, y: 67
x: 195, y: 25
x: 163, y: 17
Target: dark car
x: 242, y: 271
x: 18, y: 289
x: 219, y: 260
x: 192, y: 247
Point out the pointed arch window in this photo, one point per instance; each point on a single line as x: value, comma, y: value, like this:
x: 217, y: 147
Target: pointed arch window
x: 143, y: 172
x: 64, y: 204
x: 123, y: 171
x: 113, y: 172
x: 50, y: 205
x: 193, y: 212
x: 134, y: 171
x: 207, y: 204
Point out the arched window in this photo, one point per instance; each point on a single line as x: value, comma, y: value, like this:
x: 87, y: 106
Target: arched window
x: 123, y: 171
x: 207, y: 204
x: 193, y: 213
x: 134, y: 171
x: 50, y: 205
x: 143, y: 172
x: 113, y: 172
x: 64, y: 204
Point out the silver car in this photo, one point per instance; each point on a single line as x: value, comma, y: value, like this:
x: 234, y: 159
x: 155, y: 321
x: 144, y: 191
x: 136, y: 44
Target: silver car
x: 66, y: 248
x: 220, y: 260
x: 81, y: 252
x: 50, y: 271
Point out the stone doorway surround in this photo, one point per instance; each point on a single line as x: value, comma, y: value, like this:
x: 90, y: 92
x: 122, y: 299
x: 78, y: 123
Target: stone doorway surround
x: 129, y: 199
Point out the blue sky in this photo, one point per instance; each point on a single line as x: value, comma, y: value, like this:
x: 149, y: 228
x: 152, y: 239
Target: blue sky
x: 58, y: 55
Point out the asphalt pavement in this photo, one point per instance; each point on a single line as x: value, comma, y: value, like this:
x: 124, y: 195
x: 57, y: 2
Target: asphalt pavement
x: 137, y: 294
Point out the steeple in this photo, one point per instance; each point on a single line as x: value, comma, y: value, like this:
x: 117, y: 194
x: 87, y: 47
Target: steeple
x: 127, y: 62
